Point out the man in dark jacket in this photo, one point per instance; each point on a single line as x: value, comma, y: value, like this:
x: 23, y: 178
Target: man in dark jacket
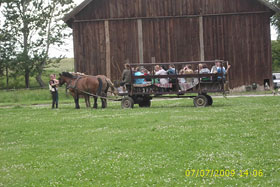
x: 126, y: 77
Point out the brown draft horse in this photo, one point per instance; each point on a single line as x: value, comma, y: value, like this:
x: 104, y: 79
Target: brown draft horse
x: 106, y: 84
x: 81, y: 85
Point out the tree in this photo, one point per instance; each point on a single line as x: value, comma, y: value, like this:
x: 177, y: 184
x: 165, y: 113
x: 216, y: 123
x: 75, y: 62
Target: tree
x: 53, y: 31
x: 276, y: 55
x: 36, y: 25
x: 7, y: 53
x: 275, y: 20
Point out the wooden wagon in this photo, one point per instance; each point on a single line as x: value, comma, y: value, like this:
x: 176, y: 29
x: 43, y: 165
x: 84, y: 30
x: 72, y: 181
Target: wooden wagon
x: 197, y: 85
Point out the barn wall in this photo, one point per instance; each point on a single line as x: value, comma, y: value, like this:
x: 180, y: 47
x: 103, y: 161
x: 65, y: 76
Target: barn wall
x: 123, y: 45
x: 243, y: 40
x: 104, y: 9
x: 167, y: 40
x: 171, y: 40
x: 89, y: 48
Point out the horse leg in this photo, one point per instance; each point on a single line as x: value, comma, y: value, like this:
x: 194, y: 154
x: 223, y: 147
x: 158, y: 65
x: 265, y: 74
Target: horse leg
x: 95, y: 102
x: 104, y: 101
x: 77, y: 102
x: 87, y: 101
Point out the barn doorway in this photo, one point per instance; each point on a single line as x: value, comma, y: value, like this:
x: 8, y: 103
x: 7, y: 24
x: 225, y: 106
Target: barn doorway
x: 266, y: 84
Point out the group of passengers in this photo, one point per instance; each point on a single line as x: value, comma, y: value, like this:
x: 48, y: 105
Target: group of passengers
x: 162, y: 70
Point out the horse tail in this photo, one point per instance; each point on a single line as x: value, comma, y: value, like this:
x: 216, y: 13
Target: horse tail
x: 111, y: 85
x: 99, y: 91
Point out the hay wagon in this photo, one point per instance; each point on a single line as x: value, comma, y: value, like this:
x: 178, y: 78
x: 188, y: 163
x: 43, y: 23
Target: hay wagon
x: 190, y: 84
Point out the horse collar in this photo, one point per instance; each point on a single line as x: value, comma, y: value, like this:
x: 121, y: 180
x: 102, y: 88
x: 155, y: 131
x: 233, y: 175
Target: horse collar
x: 75, y: 83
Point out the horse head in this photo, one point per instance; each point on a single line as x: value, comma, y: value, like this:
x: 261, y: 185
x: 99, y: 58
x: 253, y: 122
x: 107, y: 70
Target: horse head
x: 64, y: 77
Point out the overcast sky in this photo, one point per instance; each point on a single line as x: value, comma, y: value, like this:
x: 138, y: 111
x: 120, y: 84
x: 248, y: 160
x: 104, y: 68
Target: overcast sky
x: 67, y: 48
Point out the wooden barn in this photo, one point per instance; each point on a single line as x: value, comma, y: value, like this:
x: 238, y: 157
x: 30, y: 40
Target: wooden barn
x: 109, y: 33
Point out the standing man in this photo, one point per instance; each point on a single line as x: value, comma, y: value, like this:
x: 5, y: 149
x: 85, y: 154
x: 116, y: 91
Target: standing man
x: 53, y: 83
x: 126, y: 77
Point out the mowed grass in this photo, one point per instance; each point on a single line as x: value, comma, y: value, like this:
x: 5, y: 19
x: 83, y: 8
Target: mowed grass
x: 143, y: 146
x: 32, y: 96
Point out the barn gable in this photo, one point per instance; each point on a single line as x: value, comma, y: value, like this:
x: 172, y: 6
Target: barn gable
x: 109, y: 33
x: 110, y: 9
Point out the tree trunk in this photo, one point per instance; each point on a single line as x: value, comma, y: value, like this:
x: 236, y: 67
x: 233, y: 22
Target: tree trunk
x: 7, y: 77
x: 39, y: 80
x: 26, y: 77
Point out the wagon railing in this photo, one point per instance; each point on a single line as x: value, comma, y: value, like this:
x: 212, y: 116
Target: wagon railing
x: 217, y: 86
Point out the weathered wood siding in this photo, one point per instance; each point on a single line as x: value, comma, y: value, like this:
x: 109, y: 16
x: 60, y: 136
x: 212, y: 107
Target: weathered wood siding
x: 124, y: 45
x: 89, y: 48
x: 243, y: 40
x: 171, y: 40
x: 104, y: 9
x: 233, y: 30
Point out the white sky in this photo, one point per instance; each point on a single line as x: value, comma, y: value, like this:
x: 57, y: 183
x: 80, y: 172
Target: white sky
x: 67, y: 48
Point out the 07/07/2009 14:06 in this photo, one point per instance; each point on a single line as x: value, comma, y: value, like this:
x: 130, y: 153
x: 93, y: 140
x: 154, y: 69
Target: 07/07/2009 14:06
x: 223, y: 173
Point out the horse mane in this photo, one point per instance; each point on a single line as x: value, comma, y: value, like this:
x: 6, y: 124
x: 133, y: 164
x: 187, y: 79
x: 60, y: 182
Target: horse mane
x: 69, y: 75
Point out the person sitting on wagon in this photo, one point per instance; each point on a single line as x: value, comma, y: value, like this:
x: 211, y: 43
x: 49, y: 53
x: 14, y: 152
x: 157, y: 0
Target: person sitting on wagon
x: 171, y: 70
x: 219, y: 69
x: 164, y: 83
x: 200, y: 66
x: 182, y: 80
x: 126, y: 77
x: 139, y: 73
x: 188, y: 70
x: 205, y: 70
x: 214, y: 68
x: 160, y: 71
x: 146, y: 73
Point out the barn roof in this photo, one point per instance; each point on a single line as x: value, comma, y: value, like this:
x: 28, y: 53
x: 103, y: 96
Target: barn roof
x: 70, y: 16
x: 270, y: 5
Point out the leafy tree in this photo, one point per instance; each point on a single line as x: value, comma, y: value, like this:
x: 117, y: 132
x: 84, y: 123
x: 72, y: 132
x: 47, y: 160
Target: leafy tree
x: 275, y: 20
x: 7, y: 53
x: 276, y: 56
x: 36, y: 25
x: 53, y: 31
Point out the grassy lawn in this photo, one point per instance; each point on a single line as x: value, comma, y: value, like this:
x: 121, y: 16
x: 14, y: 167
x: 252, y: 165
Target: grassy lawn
x: 141, y: 147
x: 27, y: 97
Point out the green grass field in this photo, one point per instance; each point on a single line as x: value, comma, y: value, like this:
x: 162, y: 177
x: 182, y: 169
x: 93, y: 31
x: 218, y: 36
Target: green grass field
x: 143, y: 146
x: 31, y: 97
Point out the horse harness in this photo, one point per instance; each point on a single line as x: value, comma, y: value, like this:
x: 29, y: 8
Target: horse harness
x: 69, y: 85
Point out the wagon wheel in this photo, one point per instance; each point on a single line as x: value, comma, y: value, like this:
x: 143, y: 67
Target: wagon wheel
x: 209, y: 99
x: 145, y: 103
x: 127, y: 102
x: 200, y: 101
